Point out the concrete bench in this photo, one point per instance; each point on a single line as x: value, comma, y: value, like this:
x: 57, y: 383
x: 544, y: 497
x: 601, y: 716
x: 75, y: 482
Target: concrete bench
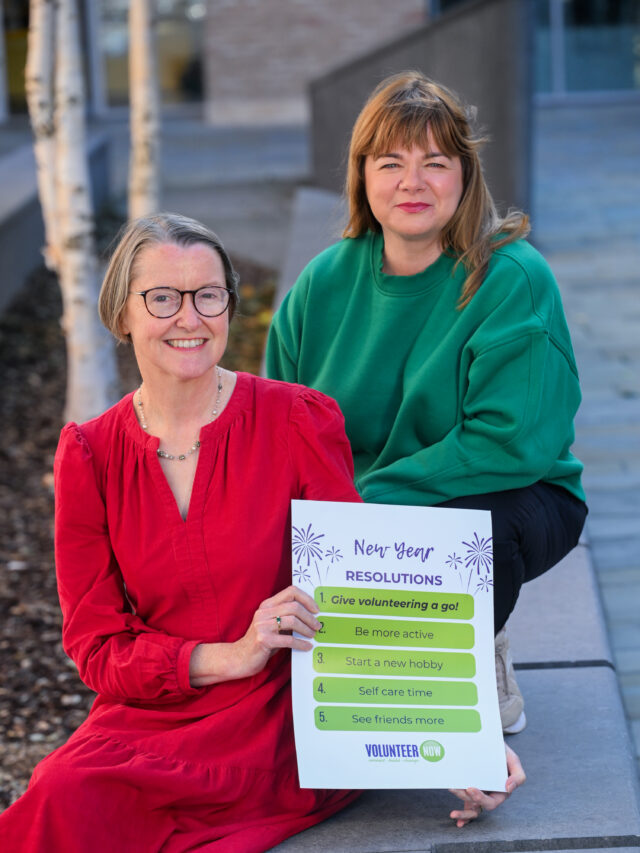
x: 582, y: 790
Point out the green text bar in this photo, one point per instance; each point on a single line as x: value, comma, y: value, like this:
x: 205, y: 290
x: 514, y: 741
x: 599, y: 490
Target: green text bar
x: 394, y: 691
x: 389, y: 632
x: 383, y: 662
x: 393, y: 602
x: 342, y: 719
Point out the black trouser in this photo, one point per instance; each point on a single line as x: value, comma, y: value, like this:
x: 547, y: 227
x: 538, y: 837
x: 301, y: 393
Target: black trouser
x: 533, y: 529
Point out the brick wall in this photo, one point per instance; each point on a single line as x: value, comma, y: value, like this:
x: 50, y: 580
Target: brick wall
x: 259, y: 55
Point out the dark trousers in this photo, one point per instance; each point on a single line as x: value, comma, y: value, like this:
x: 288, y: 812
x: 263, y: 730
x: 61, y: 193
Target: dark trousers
x: 533, y: 529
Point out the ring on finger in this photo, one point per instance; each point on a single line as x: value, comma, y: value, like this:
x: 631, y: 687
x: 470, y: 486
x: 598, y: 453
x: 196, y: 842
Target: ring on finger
x: 278, y: 622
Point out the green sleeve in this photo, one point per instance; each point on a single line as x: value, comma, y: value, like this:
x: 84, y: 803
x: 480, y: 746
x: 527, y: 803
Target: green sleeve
x: 516, y: 423
x: 283, y: 342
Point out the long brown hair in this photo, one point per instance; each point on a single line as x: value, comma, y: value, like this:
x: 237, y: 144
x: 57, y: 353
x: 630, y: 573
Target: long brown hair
x: 400, y: 111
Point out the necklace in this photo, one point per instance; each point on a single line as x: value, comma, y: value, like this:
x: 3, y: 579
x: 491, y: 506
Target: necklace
x: 196, y: 444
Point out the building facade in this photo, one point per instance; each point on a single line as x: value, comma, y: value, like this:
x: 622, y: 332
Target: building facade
x: 260, y: 56
x: 250, y: 61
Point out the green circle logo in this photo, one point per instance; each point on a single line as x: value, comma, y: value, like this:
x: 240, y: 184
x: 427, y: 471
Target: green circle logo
x: 431, y: 750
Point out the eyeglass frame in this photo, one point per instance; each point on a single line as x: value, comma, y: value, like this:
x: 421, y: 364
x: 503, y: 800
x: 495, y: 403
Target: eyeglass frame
x: 182, y: 293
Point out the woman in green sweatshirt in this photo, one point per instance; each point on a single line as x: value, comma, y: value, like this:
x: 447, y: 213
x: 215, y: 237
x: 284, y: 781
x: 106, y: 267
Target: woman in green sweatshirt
x: 440, y: 332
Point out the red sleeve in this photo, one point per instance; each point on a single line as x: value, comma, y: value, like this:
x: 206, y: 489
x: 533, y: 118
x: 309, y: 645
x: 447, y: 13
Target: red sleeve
x: 117, y: 655
x: 320, y: 449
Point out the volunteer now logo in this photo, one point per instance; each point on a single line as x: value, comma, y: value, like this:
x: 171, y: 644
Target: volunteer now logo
x: 430, y: 750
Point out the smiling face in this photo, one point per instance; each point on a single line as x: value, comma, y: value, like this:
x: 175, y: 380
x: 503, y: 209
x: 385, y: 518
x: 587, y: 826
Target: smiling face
x: 413, y: 193
x: 187, y: 345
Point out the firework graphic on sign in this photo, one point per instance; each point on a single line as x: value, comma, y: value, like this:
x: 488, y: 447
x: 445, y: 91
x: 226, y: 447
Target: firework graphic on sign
x: 333, y: 554
x: 301, y: 573
x: 479, y: 558
x: 306, y: 543
x: 454, y: 562
x: 484, y: 584
x: 479, y: 553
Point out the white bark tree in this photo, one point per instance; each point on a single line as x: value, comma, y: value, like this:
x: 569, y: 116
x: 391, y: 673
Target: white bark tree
x: 91, y: 367
x: 144, y: 165
x: 39, y: 72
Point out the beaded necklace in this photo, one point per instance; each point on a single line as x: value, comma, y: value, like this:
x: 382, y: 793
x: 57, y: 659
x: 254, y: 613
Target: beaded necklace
x: 196, y: 444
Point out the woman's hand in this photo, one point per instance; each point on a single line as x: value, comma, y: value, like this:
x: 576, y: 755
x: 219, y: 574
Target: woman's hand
x: 270, y: 630
x: 475, y: 801
x: 295, y: 611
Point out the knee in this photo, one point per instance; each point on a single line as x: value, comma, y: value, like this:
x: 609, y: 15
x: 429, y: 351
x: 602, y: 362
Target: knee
x: 508, y: 577
x: 58, y: 779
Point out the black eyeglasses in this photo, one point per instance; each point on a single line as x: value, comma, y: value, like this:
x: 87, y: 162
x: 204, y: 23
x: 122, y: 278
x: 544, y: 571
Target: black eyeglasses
x: 164, y: 302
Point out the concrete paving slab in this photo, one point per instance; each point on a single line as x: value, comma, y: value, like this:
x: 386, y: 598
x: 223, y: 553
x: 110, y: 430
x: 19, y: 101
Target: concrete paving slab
x: 581, y: 793
x: 615, y: 553
x: 614, y: 527
x: 628, y: 479
x: 621, y: 577
x: 624, y: 437
x: 627, y: 659
x: 603, y: 463
x: 631, y: 684
x: 608, y: 503
x: 601, y: 414
x: 625, y: 635
x: 559, y: 617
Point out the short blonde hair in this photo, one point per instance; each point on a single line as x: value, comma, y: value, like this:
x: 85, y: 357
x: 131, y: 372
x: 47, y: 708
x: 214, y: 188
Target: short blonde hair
x: 138, y: 234
x: 401, y: 110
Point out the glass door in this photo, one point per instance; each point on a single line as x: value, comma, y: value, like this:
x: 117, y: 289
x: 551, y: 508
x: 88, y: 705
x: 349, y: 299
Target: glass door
x: 587, y: 46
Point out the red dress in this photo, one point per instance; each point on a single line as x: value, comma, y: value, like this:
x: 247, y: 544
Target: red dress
x: 158, y: 764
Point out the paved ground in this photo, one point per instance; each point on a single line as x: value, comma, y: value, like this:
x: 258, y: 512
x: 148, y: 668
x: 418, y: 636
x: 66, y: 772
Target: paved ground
x: 587, y: 223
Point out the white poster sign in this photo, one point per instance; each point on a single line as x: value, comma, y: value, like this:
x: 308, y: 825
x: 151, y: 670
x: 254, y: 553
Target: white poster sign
x: 399, y: 690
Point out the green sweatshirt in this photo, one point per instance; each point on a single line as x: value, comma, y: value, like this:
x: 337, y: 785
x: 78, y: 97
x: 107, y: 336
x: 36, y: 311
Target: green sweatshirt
x: 438, y: 402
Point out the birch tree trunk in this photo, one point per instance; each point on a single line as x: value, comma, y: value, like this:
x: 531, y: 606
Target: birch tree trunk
x: 39, y: 71
x: 91, y: 368
x: 144, y: 181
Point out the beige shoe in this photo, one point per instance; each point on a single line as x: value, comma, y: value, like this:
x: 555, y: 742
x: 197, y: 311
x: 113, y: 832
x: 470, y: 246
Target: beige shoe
x: 509, y: 696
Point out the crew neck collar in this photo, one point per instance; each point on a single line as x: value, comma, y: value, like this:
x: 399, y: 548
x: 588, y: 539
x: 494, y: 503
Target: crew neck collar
x: 407, y: 285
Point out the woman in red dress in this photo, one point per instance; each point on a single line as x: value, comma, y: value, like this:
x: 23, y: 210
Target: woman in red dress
x: 173, y: 561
